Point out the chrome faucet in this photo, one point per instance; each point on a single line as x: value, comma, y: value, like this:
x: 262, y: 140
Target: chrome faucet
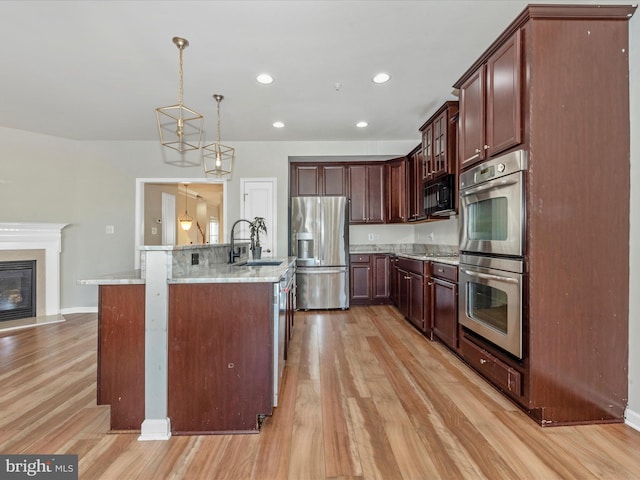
x: 232, y: 253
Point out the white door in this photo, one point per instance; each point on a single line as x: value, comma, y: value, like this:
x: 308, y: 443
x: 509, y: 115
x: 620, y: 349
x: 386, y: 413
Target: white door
x: 257, y: 199
x: 168, y: 219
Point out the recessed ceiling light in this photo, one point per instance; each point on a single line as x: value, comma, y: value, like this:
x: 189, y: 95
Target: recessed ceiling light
x: 381, y: 78
x: 264, y: 78
x: 278, y: 124
x: 362, y: 124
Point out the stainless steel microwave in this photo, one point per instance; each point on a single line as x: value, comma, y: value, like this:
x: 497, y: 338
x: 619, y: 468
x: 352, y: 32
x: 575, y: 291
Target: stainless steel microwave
x: 440, y: 197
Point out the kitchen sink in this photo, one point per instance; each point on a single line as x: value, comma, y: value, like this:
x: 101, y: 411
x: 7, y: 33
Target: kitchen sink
x: 257, y: 263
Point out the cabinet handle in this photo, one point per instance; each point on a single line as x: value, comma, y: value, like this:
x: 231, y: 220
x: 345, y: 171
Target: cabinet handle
x: 440, y: 270
x: 407, y: 278
x: 478, y: 150
x: 486, y: 147
x: 483, y: 361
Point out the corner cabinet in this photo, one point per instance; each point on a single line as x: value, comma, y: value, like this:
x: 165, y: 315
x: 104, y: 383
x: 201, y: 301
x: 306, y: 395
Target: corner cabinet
x: 397, y: 190
x: 491, y: 105
x: 369, y: 282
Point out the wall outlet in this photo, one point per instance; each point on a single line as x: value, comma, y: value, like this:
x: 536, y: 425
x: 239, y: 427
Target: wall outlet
x: 372, y: 237
x: 195, y: 258
x: 154, y: 231
x: 110, y: 230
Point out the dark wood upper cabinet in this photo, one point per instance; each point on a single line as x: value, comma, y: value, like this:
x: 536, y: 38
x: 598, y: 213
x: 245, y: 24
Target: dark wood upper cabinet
x: 366, y: 193
x: 318, y: 180
x: 333, y: 180
x: 397, y: 190
x: 305, y: 180
x: 439, y: 142
x: 490, y: 105
x: 416, y: 185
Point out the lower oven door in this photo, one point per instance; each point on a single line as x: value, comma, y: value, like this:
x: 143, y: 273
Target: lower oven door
x: 490, y: 300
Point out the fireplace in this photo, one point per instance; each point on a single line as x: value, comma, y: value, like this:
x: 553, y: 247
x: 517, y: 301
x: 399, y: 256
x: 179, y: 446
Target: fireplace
x: 42, y: 242
x: 17, y: 290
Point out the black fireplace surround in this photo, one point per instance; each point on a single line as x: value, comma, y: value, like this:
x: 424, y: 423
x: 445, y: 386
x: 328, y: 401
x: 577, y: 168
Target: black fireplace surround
x: 17, y: 289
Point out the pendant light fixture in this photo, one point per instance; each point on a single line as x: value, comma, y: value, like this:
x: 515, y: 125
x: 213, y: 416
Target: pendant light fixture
x: 217, y: 158
x: 185, y: 220
x: 180, y: 127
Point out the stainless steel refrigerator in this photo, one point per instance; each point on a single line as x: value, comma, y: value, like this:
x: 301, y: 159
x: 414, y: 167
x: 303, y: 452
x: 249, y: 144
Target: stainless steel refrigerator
x: 320, y: 241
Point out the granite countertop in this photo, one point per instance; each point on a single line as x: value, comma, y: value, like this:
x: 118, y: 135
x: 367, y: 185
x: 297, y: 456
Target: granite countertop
x: 448, y: 259
x: 435, y: 253
x: 238, y: 273
x: 217, y: 273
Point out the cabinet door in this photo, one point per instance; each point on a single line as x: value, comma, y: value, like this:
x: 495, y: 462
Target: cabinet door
x: 472, y: 115
x: 416, y: 193
x: 403, y: 291
x: 305, y: 180
x: 357, y: 193
x: 393, y: 280
x: 504, y: 116
x: 416, y: 300
x: 380, y: 278
x: 445, y: 312
x: 427, y: 151
x: 334, y: 180
x: 440, y: 128
x: 397, y: 184
x: 375, y: 194
x: 360, y: 283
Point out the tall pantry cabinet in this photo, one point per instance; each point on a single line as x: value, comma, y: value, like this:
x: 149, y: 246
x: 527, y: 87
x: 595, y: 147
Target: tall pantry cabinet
x: 564, y: 73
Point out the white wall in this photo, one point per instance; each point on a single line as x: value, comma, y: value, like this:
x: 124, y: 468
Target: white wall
x: 633, y: 412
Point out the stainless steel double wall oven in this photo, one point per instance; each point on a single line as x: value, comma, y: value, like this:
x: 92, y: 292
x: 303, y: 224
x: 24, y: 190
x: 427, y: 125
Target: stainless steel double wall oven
x: 492, y: 242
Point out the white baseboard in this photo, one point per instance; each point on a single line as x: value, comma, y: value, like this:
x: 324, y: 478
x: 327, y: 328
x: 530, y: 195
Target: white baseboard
x: 155, y: 429
x: 70, y: 311
x: 632, y: 419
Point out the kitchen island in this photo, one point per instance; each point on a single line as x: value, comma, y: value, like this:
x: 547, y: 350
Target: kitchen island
x: 192, y: 349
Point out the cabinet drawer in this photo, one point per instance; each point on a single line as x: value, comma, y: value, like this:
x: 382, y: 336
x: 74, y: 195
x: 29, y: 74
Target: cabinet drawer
x: 502, y: 375
x: 358, y: 258
x: 410, y: 265
x: 445, y: 271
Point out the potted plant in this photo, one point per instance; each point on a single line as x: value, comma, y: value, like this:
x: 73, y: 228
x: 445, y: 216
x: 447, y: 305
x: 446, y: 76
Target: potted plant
x: 258, y: 225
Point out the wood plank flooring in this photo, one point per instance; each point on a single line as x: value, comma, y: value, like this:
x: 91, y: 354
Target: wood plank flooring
x: 364, y: 397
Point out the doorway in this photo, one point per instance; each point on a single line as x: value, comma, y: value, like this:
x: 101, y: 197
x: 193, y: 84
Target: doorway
x: 258, y: 199
x: 204, y: 200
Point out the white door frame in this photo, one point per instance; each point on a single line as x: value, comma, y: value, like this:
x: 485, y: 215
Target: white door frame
x: 168, y: 219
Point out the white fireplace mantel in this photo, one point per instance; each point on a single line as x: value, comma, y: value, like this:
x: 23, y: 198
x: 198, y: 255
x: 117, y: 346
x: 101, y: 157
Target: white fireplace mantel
x: 38, y: 236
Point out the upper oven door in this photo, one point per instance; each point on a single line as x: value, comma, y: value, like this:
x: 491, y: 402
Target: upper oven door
x: 492, y: 212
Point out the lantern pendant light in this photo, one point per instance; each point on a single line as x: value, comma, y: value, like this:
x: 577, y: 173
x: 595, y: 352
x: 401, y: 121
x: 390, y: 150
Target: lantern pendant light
x: 180, y: 127
x: 218, y: 159
x: 185, y: 220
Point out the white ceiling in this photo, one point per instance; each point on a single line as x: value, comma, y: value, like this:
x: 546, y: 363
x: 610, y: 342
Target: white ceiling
x: 96, y: 70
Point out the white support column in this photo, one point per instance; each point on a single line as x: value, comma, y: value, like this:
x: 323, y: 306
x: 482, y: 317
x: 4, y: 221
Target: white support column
x: 156, y: 424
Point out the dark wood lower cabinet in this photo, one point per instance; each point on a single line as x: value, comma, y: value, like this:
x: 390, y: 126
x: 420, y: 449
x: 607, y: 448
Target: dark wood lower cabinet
x: 410, y: 291
x: 444, y: 301
x: 369, y: 279
x: 120, y: 379
x: 220, y: 357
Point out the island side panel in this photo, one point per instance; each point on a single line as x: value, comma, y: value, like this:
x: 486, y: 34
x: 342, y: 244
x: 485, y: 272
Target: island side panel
x: 220, y: 356
x: 120, y: 381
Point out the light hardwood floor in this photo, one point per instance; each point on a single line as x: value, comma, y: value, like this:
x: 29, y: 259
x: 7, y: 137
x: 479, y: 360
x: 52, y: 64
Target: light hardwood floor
x: 364, y: 397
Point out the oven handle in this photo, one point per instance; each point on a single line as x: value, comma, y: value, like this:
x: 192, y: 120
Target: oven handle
x: 487, y: 276
x: 489, y: 186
